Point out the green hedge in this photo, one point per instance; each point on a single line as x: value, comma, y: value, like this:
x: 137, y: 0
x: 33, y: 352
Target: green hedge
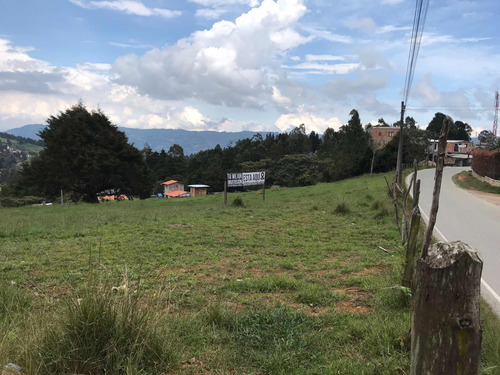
x: 18, y: 202
x: 486, y: 163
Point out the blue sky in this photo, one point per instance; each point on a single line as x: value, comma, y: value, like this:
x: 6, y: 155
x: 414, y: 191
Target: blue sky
x: 260, y: 65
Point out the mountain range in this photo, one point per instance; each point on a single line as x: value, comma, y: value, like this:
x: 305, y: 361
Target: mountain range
x: 158, y: 139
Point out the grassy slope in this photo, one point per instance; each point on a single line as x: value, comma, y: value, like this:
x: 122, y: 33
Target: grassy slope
x: 29, y: 147
x: 467, y: 181
x: 286, y: 286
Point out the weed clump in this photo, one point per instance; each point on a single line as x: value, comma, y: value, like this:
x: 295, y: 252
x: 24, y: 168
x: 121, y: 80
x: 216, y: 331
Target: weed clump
x: 238, y: 202
x: 102, y: 334
x: 342, y: 209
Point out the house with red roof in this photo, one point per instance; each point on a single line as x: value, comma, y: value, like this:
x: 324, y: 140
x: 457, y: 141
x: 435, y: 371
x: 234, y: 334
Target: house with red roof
x: 174, y: 189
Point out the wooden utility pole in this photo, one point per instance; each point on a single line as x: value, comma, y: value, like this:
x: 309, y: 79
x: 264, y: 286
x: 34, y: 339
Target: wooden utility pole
x: 399, y: 164
x: 446, y: 326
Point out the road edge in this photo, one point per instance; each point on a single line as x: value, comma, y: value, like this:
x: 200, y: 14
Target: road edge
x: 487, y: 292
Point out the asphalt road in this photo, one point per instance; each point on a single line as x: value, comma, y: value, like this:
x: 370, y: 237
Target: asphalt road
x: 470, y: 218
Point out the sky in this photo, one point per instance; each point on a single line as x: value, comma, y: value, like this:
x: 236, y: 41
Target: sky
x: 258, y: 65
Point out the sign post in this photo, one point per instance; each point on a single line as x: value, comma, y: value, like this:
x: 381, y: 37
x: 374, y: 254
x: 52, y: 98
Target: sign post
x: 225, y: 193
x: 246, y: 179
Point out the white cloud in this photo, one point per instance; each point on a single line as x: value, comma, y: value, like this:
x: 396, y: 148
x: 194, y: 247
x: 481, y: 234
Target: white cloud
x: 210, y: 13
x: 324, y: 58
x: 127, y: 6
x: 131, y: 45
x: 218, y: 3
x: 279, y: 98
x: 315, y: 68
x: 456, y: 103
x: 94, y: 66
x: 342, y: 88
x: 216, y: 8
x: 311, y: 121
x: 230, y: 63
x: 366, y: 23
x: 320, y: 33
x: 392, y: 28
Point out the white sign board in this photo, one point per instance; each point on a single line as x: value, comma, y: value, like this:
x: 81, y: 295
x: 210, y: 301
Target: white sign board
x: 246, y: 179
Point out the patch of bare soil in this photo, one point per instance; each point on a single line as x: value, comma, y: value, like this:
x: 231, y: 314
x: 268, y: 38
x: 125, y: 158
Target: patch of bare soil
x: 350, y: 307
x: 285, y: 299
x: 356, y: 303
x: 492, y: 198
x: 370, y: 271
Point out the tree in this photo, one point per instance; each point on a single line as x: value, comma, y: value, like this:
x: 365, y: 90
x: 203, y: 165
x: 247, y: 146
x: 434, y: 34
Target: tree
x: 487, y: 137
x: 86, y: 154
x: 458, y: 131
x: 353, y: 152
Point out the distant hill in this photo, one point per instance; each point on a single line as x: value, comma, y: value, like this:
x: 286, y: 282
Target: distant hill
x: 191, y: 141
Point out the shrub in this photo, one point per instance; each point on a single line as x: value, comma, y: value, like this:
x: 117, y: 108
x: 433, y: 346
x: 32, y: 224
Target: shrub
x: 238, y: 202
x: 486, y: 163
x: 102, y: 334
x: 18, y: 202
x: 341, y: 209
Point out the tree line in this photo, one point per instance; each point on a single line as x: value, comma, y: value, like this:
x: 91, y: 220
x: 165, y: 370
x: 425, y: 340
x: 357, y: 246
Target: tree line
x: 85, y: 154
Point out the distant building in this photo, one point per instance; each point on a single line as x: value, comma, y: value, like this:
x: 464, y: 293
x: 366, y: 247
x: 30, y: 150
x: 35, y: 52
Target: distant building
x: 458, y: 153
x: 383, y: 134
x: 198, y: 190
x: 174, y: 189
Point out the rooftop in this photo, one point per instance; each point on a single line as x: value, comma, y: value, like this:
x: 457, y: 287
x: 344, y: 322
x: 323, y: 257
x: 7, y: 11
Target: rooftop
x: 169, y: 182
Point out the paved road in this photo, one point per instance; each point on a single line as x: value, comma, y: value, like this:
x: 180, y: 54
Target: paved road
x: 467, y: 217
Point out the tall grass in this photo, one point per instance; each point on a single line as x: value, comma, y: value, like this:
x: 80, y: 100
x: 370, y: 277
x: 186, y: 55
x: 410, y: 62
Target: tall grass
x: 101, y: 333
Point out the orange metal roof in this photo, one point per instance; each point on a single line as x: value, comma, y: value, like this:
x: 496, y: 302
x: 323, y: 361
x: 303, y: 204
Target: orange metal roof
x: 176, y: 193
x: 169, y: 182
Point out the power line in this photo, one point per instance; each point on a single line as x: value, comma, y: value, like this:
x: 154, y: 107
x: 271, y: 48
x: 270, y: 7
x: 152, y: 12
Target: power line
x: 416, y: 38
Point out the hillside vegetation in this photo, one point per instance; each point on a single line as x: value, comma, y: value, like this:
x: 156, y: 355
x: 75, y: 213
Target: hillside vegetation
x: 14, y: 151
x: 297, y: 284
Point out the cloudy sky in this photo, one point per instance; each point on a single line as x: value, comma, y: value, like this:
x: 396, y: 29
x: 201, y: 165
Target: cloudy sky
x: 260, y: 65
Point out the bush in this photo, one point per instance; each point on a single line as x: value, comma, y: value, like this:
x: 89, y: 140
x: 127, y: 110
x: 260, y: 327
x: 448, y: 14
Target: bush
x: 238, y: 202
x: 341, y: 209
x: 102, y: 334
x: 486, y: 163
x: 19, y: 202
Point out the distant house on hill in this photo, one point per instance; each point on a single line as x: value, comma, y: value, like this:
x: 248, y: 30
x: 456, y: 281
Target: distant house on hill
x: 458, y: 153
x: 198, y: 190
x: 174, y: 189
x: 383, y: 134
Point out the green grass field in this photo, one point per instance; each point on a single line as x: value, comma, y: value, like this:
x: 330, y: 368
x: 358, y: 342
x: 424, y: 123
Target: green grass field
x: 293, y: 285
x: 28, y: 147
x: 467, y: 181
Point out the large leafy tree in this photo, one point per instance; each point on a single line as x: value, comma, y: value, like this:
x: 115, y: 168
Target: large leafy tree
x: 353, y: 152
x: 85, y: 153
x: 458, y: 131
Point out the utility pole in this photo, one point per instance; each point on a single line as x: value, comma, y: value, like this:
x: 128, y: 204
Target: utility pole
x: 399, y: 164
x: 495, y: 119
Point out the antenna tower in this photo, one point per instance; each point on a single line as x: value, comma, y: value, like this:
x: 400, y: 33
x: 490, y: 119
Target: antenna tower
x: 495, y: 121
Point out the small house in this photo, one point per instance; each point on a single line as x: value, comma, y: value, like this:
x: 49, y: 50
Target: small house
x: 171, y: 186
x: 458, y: 152
x: 198, y: 190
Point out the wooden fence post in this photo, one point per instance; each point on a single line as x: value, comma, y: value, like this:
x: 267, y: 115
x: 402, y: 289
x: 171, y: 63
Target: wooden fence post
x: 411, y: 246
x: 447, y: 122
x: 446, y: 327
